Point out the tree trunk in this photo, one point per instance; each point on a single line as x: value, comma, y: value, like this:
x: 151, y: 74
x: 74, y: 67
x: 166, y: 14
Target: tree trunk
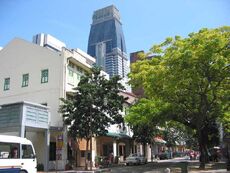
x: 144, y: 148
x: 91, y: 148
x: 86, y: 154
x: 203, y: 139
x: 228, y: 158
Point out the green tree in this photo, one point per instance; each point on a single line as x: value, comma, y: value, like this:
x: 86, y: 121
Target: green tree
x: 190, y: 77
x: 144, y: 134
x: 96, y: 105
x: 144, y: 127
x: 146, y: 121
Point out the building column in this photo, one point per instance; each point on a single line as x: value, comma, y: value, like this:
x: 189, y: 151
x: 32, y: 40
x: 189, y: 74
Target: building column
x: 114, y: 148
x: 22, y: 131
x: 46, y: 152
x: 22, y: 125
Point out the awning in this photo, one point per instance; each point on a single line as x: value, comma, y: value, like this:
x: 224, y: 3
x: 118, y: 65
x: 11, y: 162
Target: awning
x: 118, y: 135
x: 159, y: 140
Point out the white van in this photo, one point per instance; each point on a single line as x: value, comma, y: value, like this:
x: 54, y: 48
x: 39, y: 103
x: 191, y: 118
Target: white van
x: 17, y: 152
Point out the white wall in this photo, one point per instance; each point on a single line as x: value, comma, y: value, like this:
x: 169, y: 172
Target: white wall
x: 20, y: 57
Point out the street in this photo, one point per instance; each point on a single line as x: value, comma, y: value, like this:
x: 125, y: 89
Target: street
x: 160, y: 167
x: 175, y: 166
x: 147, y: 168
x: 154, y: 167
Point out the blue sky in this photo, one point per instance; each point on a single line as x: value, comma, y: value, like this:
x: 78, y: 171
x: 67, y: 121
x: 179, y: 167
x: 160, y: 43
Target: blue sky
x: 145, y: 22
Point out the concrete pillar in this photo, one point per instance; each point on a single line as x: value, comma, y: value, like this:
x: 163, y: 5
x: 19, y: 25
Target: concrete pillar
x: 22, y: 127
x: 141, y: 149
x: 114, y: 148
x: 47, y: 146
x: 22, y: 131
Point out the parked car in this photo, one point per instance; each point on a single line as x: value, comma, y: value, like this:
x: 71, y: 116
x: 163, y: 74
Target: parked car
x: 194, y: 155
x: 135, y: 159
x: 164, y: 155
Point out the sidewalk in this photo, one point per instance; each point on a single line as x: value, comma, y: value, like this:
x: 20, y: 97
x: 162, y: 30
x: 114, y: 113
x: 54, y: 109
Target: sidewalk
x: 210, y: 171
x: 193, y: 168
x: 195, y: 171
x: 75, y: 170
x: 215, y: 167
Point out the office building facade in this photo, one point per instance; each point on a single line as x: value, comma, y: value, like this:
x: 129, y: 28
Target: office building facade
x: 106, y: 42
x: 48, y: 41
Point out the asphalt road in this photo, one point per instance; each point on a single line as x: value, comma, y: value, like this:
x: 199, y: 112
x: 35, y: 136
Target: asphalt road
x: 157, y: 167
x: 160, y: 167
x: 147, y: 168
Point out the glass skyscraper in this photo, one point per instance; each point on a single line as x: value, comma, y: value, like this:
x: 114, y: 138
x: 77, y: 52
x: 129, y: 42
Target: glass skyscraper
x: 106, y: 42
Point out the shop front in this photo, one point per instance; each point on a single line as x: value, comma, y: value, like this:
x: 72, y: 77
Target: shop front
x: 30, y: 120
x: 115, y: 146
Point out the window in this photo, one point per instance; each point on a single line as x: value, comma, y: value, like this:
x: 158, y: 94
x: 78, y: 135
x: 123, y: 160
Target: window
x: 27, y: 152
x: 9, y: 150
x: 78, y: 76
x: 7, y: 84
x: 25, y: 80
x: 70, y: 73
x: 44, y: 76
x: 108, y: 46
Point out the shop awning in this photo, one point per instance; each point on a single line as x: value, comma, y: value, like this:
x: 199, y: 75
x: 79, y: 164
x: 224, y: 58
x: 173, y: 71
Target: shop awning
x: 118, y: 135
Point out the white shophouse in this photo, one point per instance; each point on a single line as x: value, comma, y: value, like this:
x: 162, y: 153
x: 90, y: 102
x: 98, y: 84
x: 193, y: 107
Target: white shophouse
x: 32, y: 79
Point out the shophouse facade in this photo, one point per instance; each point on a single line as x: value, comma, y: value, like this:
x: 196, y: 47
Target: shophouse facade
x: 33, y: 79
x: 40, y: 76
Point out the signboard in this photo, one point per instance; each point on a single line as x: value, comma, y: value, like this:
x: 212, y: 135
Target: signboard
x: 59, y: 146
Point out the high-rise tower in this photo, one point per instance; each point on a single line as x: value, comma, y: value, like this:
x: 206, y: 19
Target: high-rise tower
x: 106, y: 42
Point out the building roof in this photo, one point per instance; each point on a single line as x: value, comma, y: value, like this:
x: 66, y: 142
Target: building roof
x: 117, y: 135
x: 131, y: 98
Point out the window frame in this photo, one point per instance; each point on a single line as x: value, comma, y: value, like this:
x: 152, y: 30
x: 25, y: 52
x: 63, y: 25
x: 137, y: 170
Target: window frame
x: 25, y: 80
x: 6, y: 84
x: 44, y: 76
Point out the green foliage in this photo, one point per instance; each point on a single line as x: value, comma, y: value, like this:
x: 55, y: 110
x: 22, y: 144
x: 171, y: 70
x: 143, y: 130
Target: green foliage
x: 144, y: 133
x: 95, y: 105
x: 98, y: 160
x: 146, y: 111
x: 143, y: 118
x: 190, y: 77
